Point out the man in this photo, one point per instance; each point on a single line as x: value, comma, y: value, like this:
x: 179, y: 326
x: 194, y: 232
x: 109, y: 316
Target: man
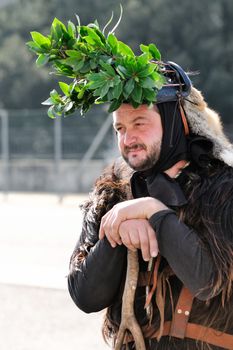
x: 172, y: 200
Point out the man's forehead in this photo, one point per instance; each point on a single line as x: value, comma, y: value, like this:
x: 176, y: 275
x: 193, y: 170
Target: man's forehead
x: 132, y: 120
x: 128, y: 112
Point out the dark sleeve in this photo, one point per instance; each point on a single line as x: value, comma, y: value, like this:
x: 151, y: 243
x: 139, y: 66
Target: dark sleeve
x: 184, y: 251
x: 95, y: 283
x: 97, y: 270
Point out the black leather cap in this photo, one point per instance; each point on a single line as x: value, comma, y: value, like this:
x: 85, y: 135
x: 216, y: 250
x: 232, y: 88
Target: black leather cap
x: 178, y: 83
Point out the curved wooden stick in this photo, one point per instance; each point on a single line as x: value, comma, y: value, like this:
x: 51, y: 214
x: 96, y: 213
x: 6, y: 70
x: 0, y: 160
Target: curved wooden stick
x: 128, y: 319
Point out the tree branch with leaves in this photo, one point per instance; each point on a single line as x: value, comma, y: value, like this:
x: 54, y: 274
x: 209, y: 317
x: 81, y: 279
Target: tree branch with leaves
x: 102, y: 68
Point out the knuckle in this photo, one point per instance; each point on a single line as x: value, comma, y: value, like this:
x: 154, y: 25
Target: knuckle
x: 125, y: 241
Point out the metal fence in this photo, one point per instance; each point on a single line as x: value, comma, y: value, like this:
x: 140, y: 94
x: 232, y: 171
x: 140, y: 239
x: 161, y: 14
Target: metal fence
x: 61, y: 155
x: 29, y: 138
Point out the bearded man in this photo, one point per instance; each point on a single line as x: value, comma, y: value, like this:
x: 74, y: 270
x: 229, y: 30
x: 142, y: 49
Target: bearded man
x: 171, y: 199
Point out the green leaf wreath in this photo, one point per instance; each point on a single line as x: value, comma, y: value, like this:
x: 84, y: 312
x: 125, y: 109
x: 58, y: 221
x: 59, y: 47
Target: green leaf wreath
x: 102, y: 68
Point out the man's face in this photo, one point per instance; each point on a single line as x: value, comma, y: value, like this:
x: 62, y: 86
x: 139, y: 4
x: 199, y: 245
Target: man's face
x: 139, y: 134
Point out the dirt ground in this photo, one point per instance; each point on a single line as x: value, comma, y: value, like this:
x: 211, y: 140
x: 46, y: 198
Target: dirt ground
x: 34, y: 318
x: 37, y: 236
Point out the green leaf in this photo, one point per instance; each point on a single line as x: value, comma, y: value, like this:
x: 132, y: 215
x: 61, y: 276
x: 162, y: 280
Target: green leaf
x: 85, y: 68
x: 68, y: 106
x: 74, y: 53
x: 89, y: 40
x: 104, y: 90
x: 81, y: 93
x: 51, y: 113
x: 55, y: 97
x: 47, y: 102
x: 92, y: 85
x: 109, y: 97
x: 33, y: 46
x: 96, y: 23
x: 70, y: 43
x: 40, y: 39
x: 58, y: 109
x: 124, y: 49
x: 155, y: 52
x: 149, y: 95
x: 42, y: 60
x: 137, y: 94
x: 135, y: 104
x: 102, y: 69
x: 101, y: 35
x: 147, y: 71
x: 159, y: 80
x: 148, y: 83
x: 113, y: 43
x: 93, y: 65
x: 97, y: 92
x: 94, y: 76
x: 145, y: 49
x: 57, y: 30
x: 143, y: 59
x: 71, y: 29
x: 116, y: 80
x: 78, y: 66
x: 64, y: 88
x: 75, y: 63
x: 57, y: 22
x: 92, y: 36
x: 114, y: 106
x: 117, y: 90
x: 108, y: 68
x: 128, y: 88
x: 62, y: 69
x: 124, y: 73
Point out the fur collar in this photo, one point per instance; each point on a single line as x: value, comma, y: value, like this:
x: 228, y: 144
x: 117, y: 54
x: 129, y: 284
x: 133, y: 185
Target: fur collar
x: 206, y: 122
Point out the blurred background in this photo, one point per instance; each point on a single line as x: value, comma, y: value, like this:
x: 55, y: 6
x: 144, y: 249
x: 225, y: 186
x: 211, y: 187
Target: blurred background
x: 47, y: 167
x: 40, y: 154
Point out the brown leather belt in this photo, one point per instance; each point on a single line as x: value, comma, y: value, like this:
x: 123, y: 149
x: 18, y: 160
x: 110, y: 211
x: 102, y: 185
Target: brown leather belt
x: 180, y: 328
x: 201, y: 333
x: 196, y: 332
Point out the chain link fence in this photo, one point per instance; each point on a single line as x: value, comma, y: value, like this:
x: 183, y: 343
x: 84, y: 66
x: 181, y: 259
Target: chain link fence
x: 64, y: 155
x: 61, y: 155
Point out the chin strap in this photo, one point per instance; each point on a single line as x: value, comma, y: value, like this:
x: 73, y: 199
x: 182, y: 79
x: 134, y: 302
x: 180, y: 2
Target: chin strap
x: 184, y: 119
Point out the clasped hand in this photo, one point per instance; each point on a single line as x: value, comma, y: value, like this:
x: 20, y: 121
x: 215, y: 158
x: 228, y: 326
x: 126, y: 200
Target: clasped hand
x: 127, y: 223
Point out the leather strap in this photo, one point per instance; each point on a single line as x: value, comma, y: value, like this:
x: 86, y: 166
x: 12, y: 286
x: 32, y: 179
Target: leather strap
x: 201, y: 333
x: 144, y: 279
x: 184, y: 120
x: 179, y: 327
x: 196, y: 332
x: 181, y: 314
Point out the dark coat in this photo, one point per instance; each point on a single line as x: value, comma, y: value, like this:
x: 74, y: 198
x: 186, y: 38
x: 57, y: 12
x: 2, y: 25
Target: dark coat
x: 196, y: 241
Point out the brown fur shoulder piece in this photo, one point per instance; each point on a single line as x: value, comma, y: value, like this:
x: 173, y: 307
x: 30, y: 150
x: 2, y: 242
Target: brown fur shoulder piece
x: 112, y: 187
x: 206, y: 122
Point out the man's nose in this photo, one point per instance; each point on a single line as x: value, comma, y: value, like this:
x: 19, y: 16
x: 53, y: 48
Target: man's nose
x: 129, y: 137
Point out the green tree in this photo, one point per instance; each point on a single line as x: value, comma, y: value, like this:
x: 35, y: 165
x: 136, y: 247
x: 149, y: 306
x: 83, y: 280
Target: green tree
x: 195, y: 34
x: 24, y: 85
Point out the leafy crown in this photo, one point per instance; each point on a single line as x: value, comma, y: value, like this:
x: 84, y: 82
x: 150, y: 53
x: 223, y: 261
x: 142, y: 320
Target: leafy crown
x: 102, y: 68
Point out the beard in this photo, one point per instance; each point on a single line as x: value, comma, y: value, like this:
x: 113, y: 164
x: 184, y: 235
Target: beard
x: 148, y: 161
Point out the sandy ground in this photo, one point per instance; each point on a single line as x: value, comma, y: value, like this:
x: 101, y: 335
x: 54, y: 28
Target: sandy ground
x: 37, y: 236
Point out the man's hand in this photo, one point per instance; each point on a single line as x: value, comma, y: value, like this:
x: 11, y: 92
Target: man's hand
x: 138, y: 234
x: 141, y: 208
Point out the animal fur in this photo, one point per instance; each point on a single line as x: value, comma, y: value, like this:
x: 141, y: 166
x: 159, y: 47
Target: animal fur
x: 204, y: 121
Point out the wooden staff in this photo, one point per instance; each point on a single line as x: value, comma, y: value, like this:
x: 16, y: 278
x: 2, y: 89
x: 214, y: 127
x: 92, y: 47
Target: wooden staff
x: 128, y: 319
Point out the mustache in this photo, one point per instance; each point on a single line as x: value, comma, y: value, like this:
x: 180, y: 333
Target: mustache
x: 135, y: 147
